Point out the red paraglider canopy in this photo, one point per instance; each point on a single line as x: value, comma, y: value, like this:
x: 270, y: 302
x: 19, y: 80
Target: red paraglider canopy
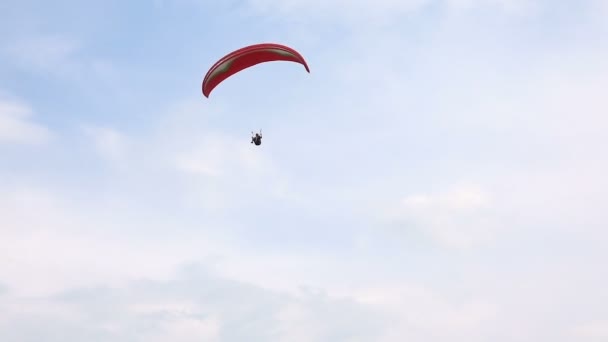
x: 247, y: 57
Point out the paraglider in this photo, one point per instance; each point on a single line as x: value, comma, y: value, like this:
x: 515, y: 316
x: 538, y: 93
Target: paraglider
x: 257, y: 138
x: 247, y: 57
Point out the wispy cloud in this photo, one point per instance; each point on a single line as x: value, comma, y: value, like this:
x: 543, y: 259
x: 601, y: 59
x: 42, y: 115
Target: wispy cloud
x: 473, y: 128
x: 216, y: 156
x: 419, y: 313
x: 458, y: 217
x: 47, y: 53
x: 109, y: 143
x: 509, y: 6
x: 360, y: 12
x: 192, y: 305
x: 3, y: 289
x: 339, y: 8
x: 17, y: 126
x: 61, y: 56
x: 592, y: 331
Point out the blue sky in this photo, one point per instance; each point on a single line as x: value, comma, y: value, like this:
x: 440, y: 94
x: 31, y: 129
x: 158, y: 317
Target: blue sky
x: 438, y: 176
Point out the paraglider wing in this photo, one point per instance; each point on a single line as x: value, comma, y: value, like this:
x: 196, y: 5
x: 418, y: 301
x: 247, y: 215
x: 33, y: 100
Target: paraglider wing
x: 247, y: 57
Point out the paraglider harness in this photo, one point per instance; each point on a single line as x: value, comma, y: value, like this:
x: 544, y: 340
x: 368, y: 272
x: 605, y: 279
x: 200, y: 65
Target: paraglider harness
x: 257, y: 138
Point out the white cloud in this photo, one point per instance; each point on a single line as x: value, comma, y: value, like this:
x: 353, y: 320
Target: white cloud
x: 417, y: 313
x: 222, y: 170
x: 342, y: 8
x: 54, y: 249
x: 216, y: 309
x: 510, y: 6
x: 600, y: 11
x: 592, y: 331
x: 225, y: 172
x: 17, y: 127
x: 189, y: 330
x: 68, y: 245
x: 217, y: 155
x: 456, y: 218
x: 110, y: 143
x: 49, y: 52
x: 62, y: 56
x: 202, y: 305
x: 359, y: 11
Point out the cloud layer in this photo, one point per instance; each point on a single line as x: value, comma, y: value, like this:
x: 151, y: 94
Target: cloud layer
x: 439, y: 175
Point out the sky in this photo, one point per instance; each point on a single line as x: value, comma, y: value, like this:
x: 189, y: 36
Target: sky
x: 440, y: 175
